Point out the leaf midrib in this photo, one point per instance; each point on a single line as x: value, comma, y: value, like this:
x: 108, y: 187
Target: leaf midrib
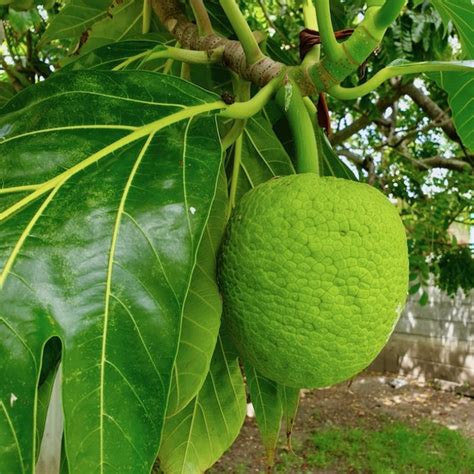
x: 108, y: 293
x: 58, y: 181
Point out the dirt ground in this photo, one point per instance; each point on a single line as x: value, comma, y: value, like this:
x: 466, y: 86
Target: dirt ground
x: 370, y: 398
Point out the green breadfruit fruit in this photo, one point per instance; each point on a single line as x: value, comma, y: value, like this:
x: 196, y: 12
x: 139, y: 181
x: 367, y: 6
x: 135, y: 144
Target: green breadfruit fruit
x: 314, y: 275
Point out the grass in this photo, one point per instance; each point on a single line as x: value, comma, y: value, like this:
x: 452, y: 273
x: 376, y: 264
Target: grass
x: 395, y: 447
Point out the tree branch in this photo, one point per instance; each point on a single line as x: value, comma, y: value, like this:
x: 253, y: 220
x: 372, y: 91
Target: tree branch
x: 438, y: 161
x: 271, y: 23
x: 365, y: 120
x: 354, y: 158
x: 366, y: 163
x: 175, y: 21
x: 454, y: 164
x: 411, y: 135
x: 431, y: 108
x: 440, y: 118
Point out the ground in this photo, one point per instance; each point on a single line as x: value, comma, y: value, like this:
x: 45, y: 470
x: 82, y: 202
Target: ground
x: 370, y: 401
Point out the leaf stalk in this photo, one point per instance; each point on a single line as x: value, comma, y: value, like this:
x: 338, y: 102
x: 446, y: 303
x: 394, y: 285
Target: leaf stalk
x: 388, y: 13
x: 243, y: 110
x: 177, y: 54
x: 202, y: 17
x: 332, y: 49
x: 247, y: 39
x: 146, y: 21
x: 307, y: 160
x: 238, y: 146
x: 351, y: 93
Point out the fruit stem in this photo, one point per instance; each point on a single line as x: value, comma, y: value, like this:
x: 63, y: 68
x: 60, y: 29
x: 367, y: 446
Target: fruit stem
x: 238, y: 145
x: 307, y: 158
x: 313, y: 114
x: 242, y: 92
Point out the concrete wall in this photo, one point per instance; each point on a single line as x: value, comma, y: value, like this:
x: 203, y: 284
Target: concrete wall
x: 433, y: 341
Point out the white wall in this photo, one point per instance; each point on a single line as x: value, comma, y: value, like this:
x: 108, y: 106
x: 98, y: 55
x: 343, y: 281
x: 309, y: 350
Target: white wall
x: 433, y: 341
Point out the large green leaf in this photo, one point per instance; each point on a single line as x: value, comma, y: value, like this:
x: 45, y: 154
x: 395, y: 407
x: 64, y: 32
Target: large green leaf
x: 108, y: 180
x: 75, y: 18
x: 202, y: 312
x: 329, y: 163
x: 263, y: 155
x: 460, y: 89
x: 195, y: 438
x: 49, y: 369
x: 461, y: 13
x: 124, y: 21
x: 460, y: 86
x: 219, y: 19
x: 111, y: 55
x: 7, y: 91
x: 265, y: 395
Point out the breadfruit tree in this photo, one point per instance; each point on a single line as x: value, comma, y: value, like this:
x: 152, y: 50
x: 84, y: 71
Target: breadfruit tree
x: 138, y: 135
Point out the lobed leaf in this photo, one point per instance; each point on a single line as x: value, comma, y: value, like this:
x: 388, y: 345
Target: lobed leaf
x: 100, y: 174
x: 263, y: 155
x: 461, y: 13
x: 75, y: 18
x: 329, y: 163
x: 108, y: 56
x: 195, y: 438
x: 460, y: 89
x: 202, y: 312
x: 125, y: 20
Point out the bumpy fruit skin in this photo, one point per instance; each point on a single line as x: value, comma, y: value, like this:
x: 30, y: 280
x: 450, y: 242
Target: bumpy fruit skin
x: 314, y: 275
